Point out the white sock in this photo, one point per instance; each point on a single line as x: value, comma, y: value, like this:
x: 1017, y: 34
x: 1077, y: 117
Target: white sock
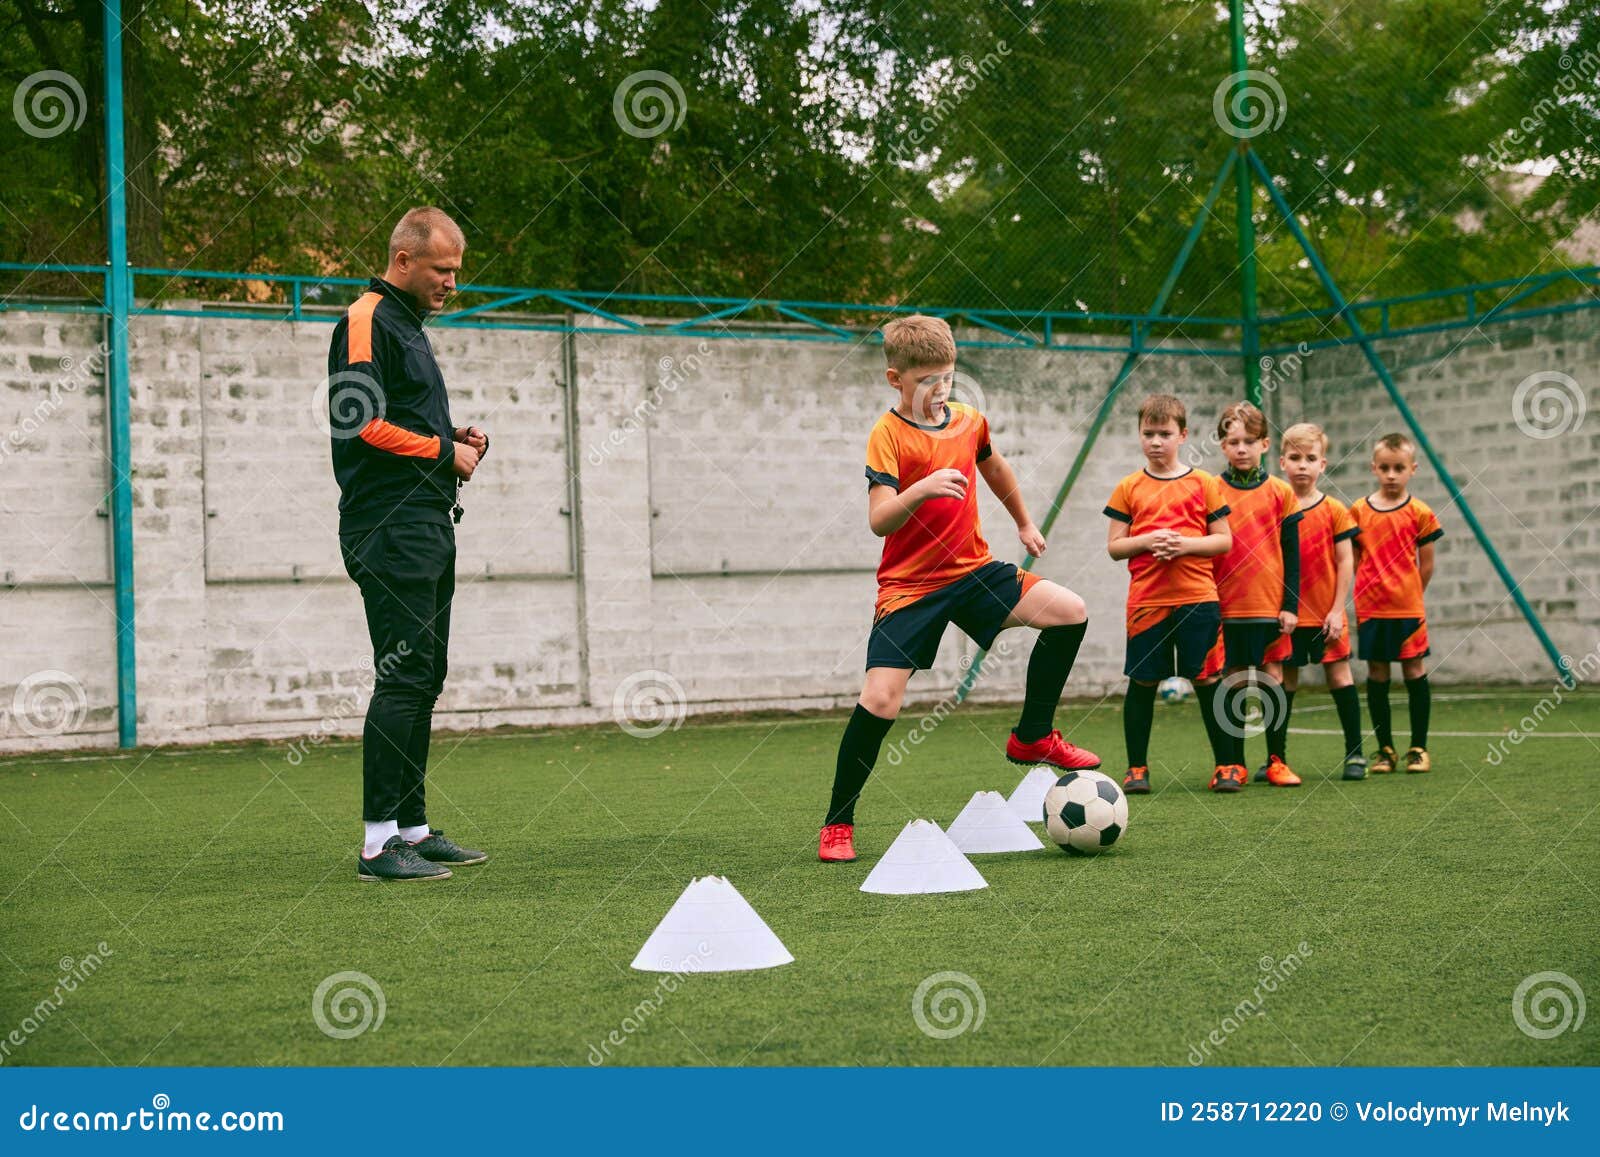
x: 378, y: 834
x: 412, y: 835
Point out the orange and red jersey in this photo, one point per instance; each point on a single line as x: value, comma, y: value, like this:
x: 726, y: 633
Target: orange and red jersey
x: 1323, y: 525
x: 1388, y: 583
x: 941, y: 541
x: 1250, y: 576
x: 1187, y: 504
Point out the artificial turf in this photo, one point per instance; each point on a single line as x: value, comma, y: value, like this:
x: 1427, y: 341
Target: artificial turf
x: 223, y: 883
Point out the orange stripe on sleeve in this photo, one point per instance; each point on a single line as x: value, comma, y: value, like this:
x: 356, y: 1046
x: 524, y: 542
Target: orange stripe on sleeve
x: 398, y: 440
x: 359, y: 335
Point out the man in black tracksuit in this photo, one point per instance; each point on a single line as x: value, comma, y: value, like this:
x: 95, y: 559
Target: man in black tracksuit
x: 399, y: 461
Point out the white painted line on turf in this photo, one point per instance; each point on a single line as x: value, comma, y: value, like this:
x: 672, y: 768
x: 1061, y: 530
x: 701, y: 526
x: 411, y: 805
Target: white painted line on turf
x: 1464, y: 734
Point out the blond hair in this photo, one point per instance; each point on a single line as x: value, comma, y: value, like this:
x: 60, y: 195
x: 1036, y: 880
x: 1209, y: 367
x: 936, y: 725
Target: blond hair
x: 1163, y: 408
x: 1307, y: 435
x: 918, y: 340
x: 1248, y: 416
x: 414, y: 232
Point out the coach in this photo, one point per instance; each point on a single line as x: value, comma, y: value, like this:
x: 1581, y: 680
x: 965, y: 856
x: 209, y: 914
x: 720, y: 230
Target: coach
x: 399, y: 462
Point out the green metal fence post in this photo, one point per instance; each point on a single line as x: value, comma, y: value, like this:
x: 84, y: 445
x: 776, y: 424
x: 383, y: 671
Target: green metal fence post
x: 119, y: 288
x: 1562, y: 665
x: 1129, y: 361
x: 1245, y: 222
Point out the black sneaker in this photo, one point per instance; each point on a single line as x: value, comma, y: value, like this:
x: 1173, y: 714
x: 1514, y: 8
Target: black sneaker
x: 398, y: 861
x: 1355, y: 767
x: 437, y: 849
x: 1261, y: 774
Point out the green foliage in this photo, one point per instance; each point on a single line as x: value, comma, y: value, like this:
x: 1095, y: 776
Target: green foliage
x: 1004, y: 154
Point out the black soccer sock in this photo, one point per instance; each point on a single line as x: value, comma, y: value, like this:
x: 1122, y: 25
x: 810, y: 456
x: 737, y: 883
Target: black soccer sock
x: 1210, y: 696
x: 1378, y: 708
x: 1048, y: 668
x: 858, y: 751
x: 1233, y: 704
x: 1420, y: 699
x: 1278, y: 733
x: 1138, y: 713
x: 1347, y: 701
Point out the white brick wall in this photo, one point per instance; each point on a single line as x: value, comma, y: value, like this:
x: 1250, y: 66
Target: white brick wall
x: 722, y: 516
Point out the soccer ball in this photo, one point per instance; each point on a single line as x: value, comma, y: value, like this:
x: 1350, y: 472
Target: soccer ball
x: 1174, y: 690
x: 1085, y: 812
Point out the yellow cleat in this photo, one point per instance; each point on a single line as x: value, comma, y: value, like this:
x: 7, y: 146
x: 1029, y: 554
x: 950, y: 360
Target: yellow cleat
x: 1382, y: 762
x: 1417, y: 760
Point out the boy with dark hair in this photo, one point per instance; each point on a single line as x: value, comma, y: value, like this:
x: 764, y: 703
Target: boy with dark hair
x: 1168, y: 521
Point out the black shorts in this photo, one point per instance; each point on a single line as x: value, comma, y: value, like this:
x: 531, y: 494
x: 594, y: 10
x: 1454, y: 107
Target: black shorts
x: 978, y: 603
x: 1392, y: 640
x: 1307, y: 646
x: 1167, y: 641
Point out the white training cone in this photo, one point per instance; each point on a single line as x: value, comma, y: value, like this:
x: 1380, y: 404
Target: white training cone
x: 711, y: 929
x: 987, y: 824
x: 1027, y: 798
x: 922, y: 859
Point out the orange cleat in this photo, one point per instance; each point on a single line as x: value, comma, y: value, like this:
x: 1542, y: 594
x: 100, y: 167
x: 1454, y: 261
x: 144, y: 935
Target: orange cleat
x: 1052, y: 749
x: 1279, y: 775
x: 1137, y: 781
x: 837, y: 845
x: 1229, y: 777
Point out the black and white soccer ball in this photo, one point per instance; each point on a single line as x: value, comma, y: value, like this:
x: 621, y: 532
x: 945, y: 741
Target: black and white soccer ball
x: 1085, y: 812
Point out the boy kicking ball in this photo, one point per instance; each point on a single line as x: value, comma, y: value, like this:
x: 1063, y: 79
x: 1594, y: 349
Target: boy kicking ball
x: 1326, y: 570
x: 1394, y: 561
x: 922, y: 458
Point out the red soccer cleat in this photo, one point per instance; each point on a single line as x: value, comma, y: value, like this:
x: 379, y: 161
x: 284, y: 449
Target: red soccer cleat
x: 1229, y: 777
x: 837, y: 845
x: 1279, y: 775
x: 1052, y: 749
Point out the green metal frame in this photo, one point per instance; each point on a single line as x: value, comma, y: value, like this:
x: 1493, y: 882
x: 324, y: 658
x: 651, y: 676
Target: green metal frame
x: 119, y: 295
x: 725, y: 318
x: 1562, y: 666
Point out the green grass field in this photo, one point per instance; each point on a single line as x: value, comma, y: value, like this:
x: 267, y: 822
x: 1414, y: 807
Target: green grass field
x: 223, y: 883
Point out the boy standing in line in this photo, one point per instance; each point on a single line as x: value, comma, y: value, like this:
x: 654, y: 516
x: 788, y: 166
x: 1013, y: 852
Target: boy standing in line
x: 1327, y: 567
x: 1394, y: 561
x: 1258, y: 585
x: 1168, y: 521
